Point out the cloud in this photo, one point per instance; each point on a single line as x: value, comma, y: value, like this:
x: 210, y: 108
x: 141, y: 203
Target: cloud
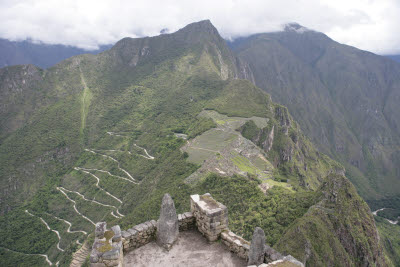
x: 367, y: 24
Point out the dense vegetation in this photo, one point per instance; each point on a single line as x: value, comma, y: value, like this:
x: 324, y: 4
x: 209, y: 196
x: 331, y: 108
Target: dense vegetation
x: 248, y: 206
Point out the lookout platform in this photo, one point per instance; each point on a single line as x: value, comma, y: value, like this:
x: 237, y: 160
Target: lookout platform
x: 191, y: 249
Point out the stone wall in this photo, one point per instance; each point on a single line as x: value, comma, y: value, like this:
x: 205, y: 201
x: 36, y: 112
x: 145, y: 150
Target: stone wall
x: 139, y: 235
x: 107, y: 247
x: 211, y: 216
x: 144, y: 233
x: 187, y: 221
x: 236, y: 244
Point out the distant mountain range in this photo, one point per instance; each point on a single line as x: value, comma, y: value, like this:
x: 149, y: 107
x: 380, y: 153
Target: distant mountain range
x: 41, y: 55
x: 46, y: 55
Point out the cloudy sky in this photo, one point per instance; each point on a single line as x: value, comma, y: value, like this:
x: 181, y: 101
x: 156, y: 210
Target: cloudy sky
x: 372, y: 25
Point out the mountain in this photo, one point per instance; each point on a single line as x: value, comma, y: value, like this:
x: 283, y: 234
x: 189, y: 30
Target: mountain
x: 103, y: 137
x: 344, y: 99
x: 41, y: 55
x: 395, y: 57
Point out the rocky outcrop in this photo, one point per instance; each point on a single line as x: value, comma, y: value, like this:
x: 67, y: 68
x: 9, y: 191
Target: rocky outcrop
x: 347, y: 235
x: 167, y: 225
x: 282, y: 116
x: 257, y: 249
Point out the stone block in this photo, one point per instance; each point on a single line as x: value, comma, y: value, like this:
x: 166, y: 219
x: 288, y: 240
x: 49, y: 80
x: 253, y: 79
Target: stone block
x: 100, y: 229
x: 94, y: 257
x: 117, y: 233
x: 138, y: 228
x: 188, y: 214
x: 111, y: 255
x: 133, y: 232
x: 110, y: 263
x: 154, y: 223
x: 126, y: 234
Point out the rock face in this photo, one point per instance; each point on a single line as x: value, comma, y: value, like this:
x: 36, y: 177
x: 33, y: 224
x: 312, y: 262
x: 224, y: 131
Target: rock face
x: 257, y: 247
x: 347, y: 234
x: 167, y: 225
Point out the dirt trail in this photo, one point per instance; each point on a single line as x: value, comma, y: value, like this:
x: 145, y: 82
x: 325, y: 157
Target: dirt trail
x: 147, y: 156
x: 69, y: 225
x: 29, y: 254
x: 109, y: 157
x: 390, y: 221
x: 48, y: 228
x: 107, y: 172
x: 97, y: 185
x: 93, y: 201
x: 61, y: 189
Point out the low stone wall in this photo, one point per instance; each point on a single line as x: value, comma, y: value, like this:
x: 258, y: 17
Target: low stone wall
x: 211, y: 216
x: 144, y: 233
x: 186, y: 221
x: 236, y: 244
x: 139, y: 235
x: 107, y: 247
x: 207, y: 215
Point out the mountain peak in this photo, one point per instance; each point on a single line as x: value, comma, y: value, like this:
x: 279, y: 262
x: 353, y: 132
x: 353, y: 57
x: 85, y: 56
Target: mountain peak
x: 295, y: 27
x: 200, y: 26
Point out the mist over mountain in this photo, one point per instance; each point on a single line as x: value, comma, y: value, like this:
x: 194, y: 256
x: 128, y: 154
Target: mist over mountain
x: 103, y: 137
x: 41, y: 55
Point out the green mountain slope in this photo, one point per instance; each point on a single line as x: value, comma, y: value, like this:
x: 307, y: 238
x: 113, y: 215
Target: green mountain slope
x: 106, y: 140
x: 344, y: 99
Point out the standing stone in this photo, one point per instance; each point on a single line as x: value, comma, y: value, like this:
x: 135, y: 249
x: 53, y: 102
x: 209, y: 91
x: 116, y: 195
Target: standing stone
x: 167, y: 225
x: 257, y: 250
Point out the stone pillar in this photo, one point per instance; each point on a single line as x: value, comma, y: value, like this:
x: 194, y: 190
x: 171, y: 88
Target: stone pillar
x: 257, y: 248
x: 167, y: 225
x: 107, y: 247
x: 211, y: 216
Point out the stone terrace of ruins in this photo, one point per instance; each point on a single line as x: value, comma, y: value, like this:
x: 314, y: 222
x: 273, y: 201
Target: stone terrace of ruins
x: 175, y: 240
